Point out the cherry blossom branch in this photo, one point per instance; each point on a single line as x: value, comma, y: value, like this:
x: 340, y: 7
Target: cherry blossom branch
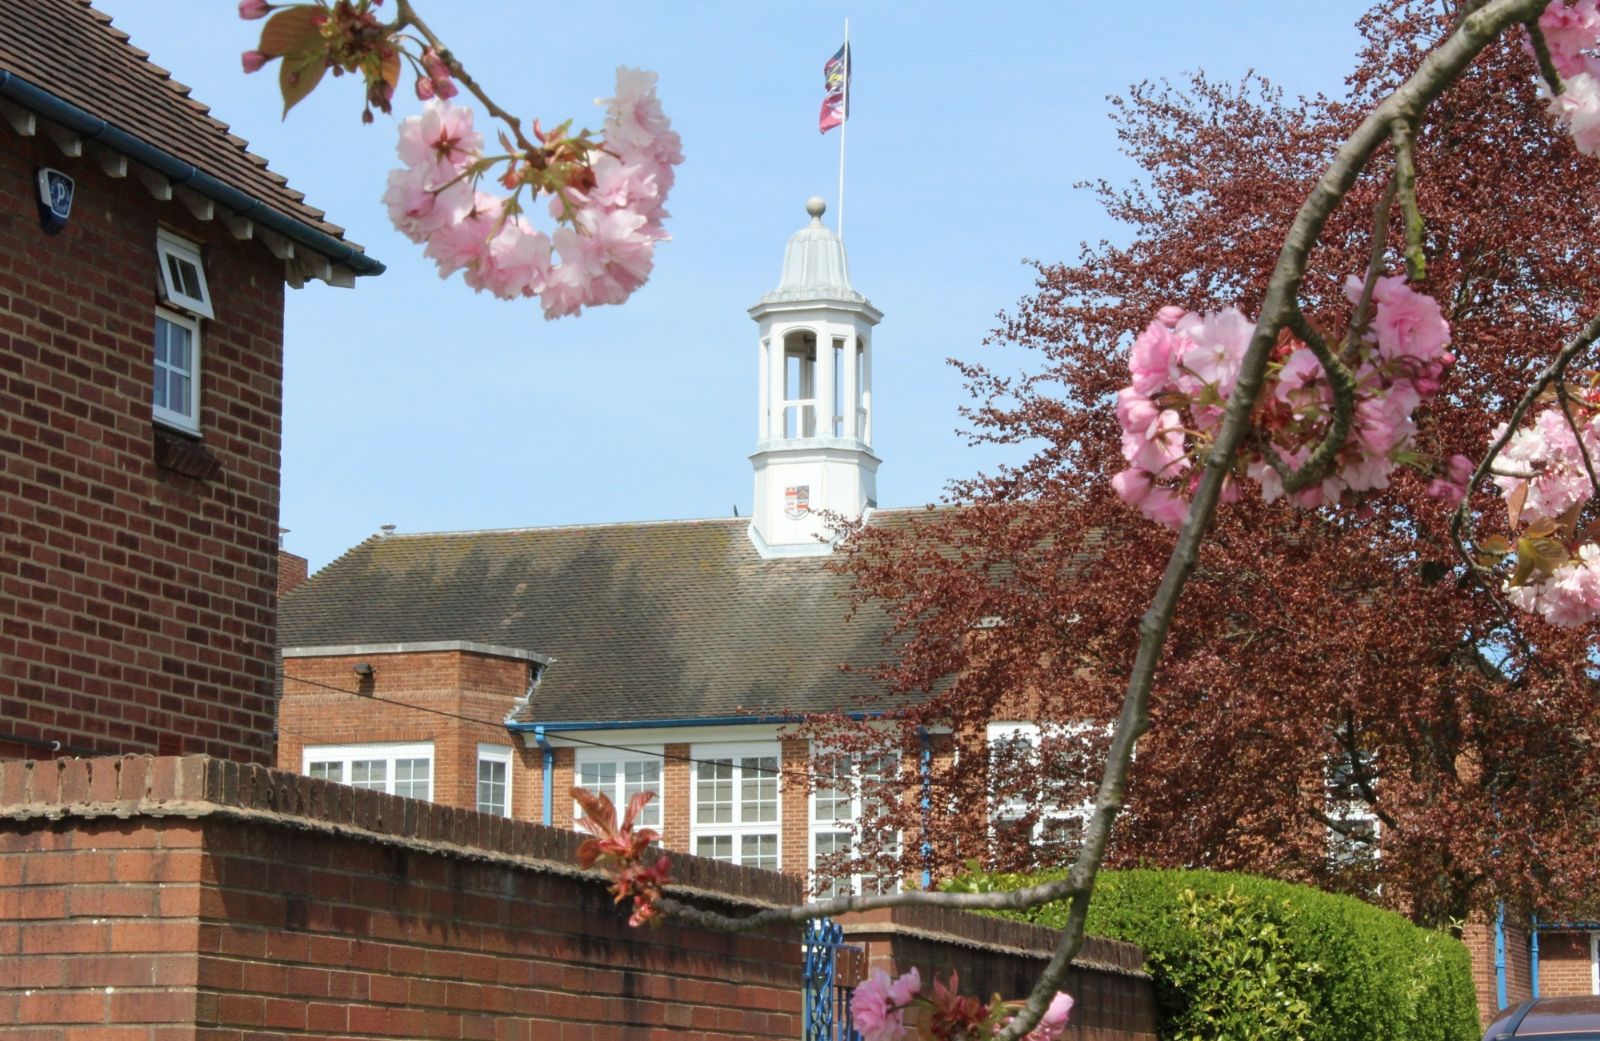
x: 1380, y: 242
x: 1541, y: 51
x: 1343, y: 383
x: 1405, y: 179
x: 1461, y: 527
x: 1007, y: 900
x: 1564, y: 399
x: 406, y: 15
x: 1438, y: 70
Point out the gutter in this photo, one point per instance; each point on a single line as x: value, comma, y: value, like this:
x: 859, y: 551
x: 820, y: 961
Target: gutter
x: 93, y: 128
x: 657, y: 724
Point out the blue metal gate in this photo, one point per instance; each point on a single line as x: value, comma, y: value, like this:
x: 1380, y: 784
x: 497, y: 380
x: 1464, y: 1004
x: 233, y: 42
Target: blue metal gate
x: 828, y: 983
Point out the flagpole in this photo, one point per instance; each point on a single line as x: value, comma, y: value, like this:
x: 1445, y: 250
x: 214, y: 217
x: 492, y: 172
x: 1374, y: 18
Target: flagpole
x: 844, y: 127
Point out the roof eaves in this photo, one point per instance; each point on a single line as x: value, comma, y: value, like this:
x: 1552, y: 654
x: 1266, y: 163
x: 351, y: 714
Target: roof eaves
x: 35, y: 98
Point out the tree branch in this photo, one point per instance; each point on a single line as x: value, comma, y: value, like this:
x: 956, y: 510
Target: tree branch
x: 1565, y: 400
x: 1438, y: 70
x: 1405, y: 178
x: 1343, y: 383
x: 406, y: 15
x: 1006, y: 900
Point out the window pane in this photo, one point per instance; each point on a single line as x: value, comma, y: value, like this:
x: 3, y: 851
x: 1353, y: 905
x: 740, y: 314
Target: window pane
x: 327, y: 771
x: 411, y: 778
x: 163, y: 334
x: 369, y: 773
x: 600, y: 778
x: 639, y: 776
x: 713, y: 796
x: 492, y: 787
x: 758, y: 789
x: 759, y: 851
x: 178, y: 347
x: 178, y: 393
x: 717, y: 847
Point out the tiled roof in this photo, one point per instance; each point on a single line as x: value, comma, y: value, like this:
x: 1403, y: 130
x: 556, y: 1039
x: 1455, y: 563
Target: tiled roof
x: 666, y: 620
x: 71, y: 51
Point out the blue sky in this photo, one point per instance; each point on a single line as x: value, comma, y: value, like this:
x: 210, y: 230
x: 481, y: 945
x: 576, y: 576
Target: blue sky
x: 412, y: 401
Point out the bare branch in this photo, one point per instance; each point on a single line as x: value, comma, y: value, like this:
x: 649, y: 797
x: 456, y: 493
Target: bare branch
x: 1405, y: 178
x: 1343, y: 382
x: 1565, y: 400
x: 1541, y: 50
x: 1380, y: 239
x: 1007, y: 900
x: 405, y: 15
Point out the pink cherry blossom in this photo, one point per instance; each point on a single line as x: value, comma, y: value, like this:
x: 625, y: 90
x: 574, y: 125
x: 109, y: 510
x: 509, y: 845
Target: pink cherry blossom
x: 1054, y: 1021
x: 441, y: 140
x: 878, y: 1005
x: 1577, y: 108
x: 1154, y: 358
x: 417, y: 209
x: 249, y: 9
x: 1219, y: 342
x: 517, y: 262
x: 1302, y: 369
x: 1569, y: 31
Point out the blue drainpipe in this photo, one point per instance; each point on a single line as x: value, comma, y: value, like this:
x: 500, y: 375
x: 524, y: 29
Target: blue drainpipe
x: 549, y: 773
x: 926, y: 770
x: 1500, y: 954
x: 1533, y: 953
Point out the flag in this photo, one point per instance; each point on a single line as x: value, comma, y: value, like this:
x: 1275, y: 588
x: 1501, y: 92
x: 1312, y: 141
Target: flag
x: 836, y: 78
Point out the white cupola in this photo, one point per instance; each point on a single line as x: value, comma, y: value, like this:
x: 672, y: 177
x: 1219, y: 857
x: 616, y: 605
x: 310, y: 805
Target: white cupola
x: 814, y: 434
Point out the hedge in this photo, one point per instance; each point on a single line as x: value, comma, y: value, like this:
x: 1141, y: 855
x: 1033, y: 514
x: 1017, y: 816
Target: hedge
x: 1327, y: 967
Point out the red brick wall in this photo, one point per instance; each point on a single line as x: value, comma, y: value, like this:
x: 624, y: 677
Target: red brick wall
x: 292, y: 571
x: 1564, y: 964
x: 164, y: 898
x: 326, y: 703
x: 1479, y: 938
x: 1113, y: 996
x: 137, y: 607
x: 237, y: 899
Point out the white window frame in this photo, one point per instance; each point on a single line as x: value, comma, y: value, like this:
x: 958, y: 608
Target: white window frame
x: 850, y: 826
x: 190, y: 421
x: 169, y: 248
x: 620, y: 790
x: 387, y: 751
x: 1032, y: 733
x: 737, y: 829
x: 496, y: 754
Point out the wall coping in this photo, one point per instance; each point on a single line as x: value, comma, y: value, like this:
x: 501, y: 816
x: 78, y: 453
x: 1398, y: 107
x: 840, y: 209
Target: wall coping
x: 346, y: 650
x: 200, y: 787
x: 952, y: 926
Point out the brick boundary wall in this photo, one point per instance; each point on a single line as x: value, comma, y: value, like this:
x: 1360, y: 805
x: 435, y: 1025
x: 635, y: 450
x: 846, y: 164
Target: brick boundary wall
x: 1114, y: 998
x: 165, y: 898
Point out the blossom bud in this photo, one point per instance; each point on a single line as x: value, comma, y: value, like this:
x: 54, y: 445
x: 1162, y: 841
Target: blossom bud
x: 249, y: 9
x: 424, y: 88
x: 253, y: 60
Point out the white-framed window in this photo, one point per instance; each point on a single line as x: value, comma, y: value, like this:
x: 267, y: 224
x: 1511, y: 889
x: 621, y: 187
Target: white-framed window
x: 181, y: 276
x: 620, y: 774
x: 849, y: 804
x: 1594, y: 963
x: 1031, y: 823
x: 494, y: 780
x: 1356, y: 846
x: 175, y: 391
x: 736, y: 803
x: 397, y: 769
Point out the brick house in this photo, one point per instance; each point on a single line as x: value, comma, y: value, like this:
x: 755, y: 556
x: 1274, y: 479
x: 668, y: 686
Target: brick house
x: 141, y: 350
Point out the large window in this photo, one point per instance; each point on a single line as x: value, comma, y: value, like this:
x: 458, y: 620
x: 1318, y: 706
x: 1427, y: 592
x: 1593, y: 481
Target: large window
x: 619, y: 775
x: 398, y: 769
x: 735, y: 804
x: 175, y: 376
x: 851, y: 805
x: 1040, y: 794
x: 494, y: 780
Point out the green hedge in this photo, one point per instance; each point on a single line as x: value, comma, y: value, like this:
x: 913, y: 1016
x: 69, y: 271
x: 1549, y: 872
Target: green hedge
x: 1240, y: 958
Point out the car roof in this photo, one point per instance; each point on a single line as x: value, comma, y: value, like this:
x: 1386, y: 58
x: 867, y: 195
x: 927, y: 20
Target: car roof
x: 1549, y: 1018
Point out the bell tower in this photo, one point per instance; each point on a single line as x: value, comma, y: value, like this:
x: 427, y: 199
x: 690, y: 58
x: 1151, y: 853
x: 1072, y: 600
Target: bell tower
x: 814, y: 428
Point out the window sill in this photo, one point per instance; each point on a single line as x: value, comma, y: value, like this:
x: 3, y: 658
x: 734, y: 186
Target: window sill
x: 184, y: 454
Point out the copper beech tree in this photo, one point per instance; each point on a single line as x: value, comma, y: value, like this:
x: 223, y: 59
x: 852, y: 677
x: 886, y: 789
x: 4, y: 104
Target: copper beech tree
x: 1341, y: 358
